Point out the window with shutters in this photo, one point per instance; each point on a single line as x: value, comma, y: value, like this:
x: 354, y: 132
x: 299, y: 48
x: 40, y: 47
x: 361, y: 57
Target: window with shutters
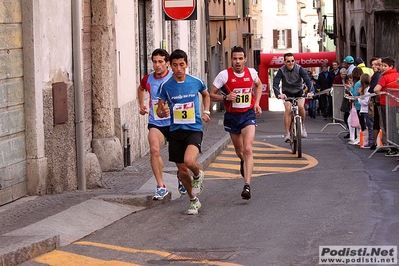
x: 282, y: 39
x: 281, y: 7
x: 246, y: 9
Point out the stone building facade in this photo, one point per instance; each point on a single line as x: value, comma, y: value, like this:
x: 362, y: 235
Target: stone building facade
x: 229, y: 24
x: 68, y: 88
x: 366, y: 28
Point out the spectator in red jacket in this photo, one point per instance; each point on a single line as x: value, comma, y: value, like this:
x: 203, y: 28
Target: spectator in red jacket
x: 388, y: 79
x: 340, y: 79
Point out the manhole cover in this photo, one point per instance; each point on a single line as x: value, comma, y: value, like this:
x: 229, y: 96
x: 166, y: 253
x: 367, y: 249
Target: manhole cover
x: 200, y: 255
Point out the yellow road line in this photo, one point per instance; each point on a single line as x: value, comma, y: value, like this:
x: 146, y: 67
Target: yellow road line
x: 258, y: 144
x: 212, y: 175
x: 261, y: 161
x: 259, y: 155
x: 209, y: 174
x: 61, y: 258
x: 255, y: 149
x: 150, y: 251
x: 266, y: 167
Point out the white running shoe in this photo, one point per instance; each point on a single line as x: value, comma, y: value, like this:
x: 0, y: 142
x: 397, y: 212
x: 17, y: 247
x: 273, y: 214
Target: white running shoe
x: 195, y: 205
x: 198, y: 184
x: 287, y: 138
x: 304, y: 132
x: 354, y: 142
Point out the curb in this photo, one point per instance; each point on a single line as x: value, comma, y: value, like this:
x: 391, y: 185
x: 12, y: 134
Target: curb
x: 142, y: 199
x: 210, y: 155
x: 35, y: 240
x: 26, y: 249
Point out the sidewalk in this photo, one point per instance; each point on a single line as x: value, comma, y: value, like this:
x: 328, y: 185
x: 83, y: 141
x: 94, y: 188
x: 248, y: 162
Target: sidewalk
x: 34, y: 225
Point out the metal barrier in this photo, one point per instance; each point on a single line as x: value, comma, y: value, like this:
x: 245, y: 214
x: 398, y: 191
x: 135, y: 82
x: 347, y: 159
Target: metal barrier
x: 391, y: 121
x: 337, y: 94
x: 392, y: 118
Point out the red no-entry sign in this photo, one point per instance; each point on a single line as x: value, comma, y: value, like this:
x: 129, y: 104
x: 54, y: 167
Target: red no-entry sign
x: 179, y: 9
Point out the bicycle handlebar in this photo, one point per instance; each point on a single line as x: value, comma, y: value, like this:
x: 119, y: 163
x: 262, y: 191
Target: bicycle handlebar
x: 306, y: 97
x: 296, y: 98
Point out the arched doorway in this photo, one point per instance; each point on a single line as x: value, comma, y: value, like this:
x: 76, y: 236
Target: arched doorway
x: 363, y: 45
x: 353, y: 42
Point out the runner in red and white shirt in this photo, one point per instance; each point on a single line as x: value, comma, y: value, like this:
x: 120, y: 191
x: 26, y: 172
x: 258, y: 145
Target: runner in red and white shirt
x: 241, y: 90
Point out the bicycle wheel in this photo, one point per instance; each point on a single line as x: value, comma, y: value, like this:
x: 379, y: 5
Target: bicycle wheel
x: 293, y: 137
x: 298, y: 122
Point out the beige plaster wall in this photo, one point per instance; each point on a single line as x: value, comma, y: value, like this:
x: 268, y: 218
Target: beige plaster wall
x: 48, y: 59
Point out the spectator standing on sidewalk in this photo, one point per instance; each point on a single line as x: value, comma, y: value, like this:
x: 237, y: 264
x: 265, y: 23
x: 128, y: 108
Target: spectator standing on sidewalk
x: 354, y: 90
x: 241, y: 90
x: 360, y: 64
x: 335, y: 70
x: 292, y: 76
x: 375, y: 63
x: 364, y: 107
x: 158, y: 128
x: 325, y: 81
x: 341, y: 80
x: 349, y: 64
x: 312, y: 101
x: 388, y: 78
x: 181, y: 93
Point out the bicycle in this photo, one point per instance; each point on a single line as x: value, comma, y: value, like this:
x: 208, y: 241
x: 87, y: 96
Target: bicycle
x: 296, y: 123
x: 296, y: 126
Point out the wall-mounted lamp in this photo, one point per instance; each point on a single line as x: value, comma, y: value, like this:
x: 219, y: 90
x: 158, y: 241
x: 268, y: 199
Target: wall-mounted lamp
x: 219, y: 43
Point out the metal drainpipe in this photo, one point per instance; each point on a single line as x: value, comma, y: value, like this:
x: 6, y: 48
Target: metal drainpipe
x: 208, y: 65
x: 126, y: 145
x: 77, y: 29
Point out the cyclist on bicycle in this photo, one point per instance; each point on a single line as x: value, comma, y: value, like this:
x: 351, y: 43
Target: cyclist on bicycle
x: 292, y: 76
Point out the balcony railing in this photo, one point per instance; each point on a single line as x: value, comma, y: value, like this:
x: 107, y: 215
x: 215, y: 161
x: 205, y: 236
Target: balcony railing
x: 328, y: 26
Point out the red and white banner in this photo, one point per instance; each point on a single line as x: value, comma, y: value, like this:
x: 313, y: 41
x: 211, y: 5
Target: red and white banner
x: 268, y: 61
x: 303, y: 59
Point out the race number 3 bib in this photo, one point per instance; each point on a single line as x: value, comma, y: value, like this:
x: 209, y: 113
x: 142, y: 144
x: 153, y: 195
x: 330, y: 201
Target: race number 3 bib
x: 244, y: 97
x: 155, y: 108
x: 184, y: 113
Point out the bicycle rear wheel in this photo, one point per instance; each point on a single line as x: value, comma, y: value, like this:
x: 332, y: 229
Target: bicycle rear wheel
x: 298, y: 122
x: 293, y: 137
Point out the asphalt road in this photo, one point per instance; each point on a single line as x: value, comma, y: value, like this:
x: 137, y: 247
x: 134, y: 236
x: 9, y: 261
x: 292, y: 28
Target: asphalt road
x: 345, y: 198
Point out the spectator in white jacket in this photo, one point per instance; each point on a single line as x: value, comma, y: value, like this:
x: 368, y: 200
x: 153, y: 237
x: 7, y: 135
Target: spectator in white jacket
x: 364, y: 107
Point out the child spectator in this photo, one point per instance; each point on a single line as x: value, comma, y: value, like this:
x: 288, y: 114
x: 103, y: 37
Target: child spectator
x: 364, y: 108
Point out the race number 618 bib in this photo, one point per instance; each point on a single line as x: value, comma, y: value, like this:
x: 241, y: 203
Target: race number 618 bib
x: 243, y: 99
x: 155, y: 108
x: 184, y: 113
